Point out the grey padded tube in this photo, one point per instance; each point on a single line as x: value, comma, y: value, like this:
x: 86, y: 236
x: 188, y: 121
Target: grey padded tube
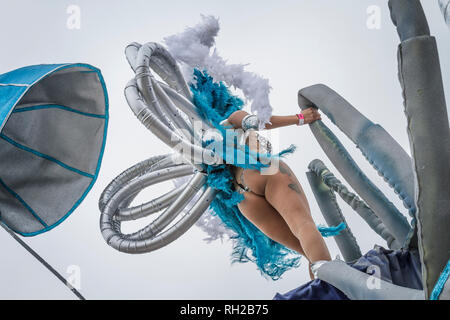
x: 429, y: 137
x: 394, y: 221
x: 409, y: 18
x: 356, y: 284
x: 326, y: 199
x: 377, y: 146
x: 364, y: 211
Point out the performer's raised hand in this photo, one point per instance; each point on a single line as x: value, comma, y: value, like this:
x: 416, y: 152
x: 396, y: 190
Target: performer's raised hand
x: 310, y: 115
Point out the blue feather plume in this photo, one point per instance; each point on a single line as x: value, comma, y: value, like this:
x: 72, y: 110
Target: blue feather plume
x: 215, y: 103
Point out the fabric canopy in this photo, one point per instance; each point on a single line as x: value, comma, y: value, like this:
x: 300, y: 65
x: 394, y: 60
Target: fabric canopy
x: 53, y: 125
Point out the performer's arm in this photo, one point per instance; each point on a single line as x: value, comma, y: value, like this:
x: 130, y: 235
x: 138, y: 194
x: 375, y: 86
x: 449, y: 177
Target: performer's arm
x: 310, y: 115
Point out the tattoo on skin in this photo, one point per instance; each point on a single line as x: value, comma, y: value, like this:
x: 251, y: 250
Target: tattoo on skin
x: 284, y: 170
x: 295, y: 187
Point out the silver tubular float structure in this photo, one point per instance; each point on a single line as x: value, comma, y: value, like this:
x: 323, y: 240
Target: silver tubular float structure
x: 167, y: 111
x: 422, y: 182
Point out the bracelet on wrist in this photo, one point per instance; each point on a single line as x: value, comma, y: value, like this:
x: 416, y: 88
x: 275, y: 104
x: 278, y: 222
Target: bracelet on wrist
x: 301, y: 119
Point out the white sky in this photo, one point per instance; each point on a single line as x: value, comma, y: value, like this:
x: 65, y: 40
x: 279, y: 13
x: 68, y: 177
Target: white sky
x: 293, y: 43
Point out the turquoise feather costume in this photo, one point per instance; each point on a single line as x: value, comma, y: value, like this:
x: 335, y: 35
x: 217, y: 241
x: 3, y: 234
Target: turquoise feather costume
x: 215, y: 103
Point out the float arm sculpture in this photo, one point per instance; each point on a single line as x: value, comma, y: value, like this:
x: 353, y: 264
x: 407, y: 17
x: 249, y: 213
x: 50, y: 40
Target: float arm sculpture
x: 423, y: 182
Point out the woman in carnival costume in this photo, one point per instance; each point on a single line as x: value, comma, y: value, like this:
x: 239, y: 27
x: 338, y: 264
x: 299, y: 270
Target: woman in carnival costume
x: 267, y: 193
x: 265, y: 208
x: 256, y: 199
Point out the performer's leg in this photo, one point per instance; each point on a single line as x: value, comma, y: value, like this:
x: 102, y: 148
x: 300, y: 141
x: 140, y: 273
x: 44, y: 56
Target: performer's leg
x: 285, y: 194
x: 256, y: 209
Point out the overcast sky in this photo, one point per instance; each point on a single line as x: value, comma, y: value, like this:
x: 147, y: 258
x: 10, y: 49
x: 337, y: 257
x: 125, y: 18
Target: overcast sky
x: 293, y: 43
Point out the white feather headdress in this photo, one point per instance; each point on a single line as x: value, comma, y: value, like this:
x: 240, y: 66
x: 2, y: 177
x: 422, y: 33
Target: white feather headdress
x: 193, y: 49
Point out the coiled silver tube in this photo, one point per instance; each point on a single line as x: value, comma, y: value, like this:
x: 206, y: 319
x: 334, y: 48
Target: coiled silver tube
x: 167, y: 111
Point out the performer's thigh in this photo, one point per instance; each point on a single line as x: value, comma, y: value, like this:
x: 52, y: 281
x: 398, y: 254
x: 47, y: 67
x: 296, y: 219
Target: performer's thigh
x: 285, y: 194
x: 256, y: 209
x: 284, y: 169
x: 257, y: 181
